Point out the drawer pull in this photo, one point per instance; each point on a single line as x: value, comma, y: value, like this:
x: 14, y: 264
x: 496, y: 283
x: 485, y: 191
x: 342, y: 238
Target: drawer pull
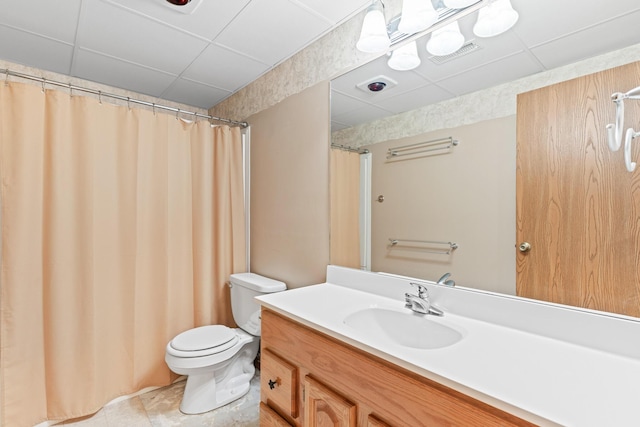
x: 273, y: 384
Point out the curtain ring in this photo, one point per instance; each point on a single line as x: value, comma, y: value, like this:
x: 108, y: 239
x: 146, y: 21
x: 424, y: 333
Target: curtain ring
x: 177, y: 112
x: 6, y: 77
x: 129, y: 103
x: 100, y: 97
x: 43, y: 83
x: 153, y: 108
x: 195, y: 116
x: 70, y: 90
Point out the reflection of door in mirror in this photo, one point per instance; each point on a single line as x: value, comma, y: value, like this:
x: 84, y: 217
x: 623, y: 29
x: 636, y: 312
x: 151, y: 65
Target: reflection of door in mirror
x: 577, y: 205
x: 345, y: 206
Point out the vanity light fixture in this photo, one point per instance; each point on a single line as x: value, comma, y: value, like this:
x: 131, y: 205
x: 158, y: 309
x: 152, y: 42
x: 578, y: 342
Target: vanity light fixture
x: 417, y: 15
x: 405, y: 57
x: 446, y: 40
x: 458, y: 4
x: 495, y: 18
x: 374, y: 37
x: 417, y: 19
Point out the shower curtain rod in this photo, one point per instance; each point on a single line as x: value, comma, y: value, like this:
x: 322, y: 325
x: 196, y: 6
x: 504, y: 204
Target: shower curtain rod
x: 100, y: 94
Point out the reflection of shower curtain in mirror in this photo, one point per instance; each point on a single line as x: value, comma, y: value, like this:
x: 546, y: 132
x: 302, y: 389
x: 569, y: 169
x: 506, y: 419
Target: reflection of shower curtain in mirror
x: 120, y: 228
x: 345, y: 208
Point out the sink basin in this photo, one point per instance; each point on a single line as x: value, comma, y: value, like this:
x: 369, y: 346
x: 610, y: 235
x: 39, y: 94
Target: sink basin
x: 404, y: 328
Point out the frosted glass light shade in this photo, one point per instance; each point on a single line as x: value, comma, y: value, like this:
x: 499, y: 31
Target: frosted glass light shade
x: 374, y: 37
x: 495, y: 18
x: 417, y: 15
x: 459, y: 4
x: 404, y: 58
x: 446, y: 40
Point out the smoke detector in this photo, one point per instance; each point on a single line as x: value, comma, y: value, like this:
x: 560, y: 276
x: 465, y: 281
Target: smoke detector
x: 183, y: 6
x: 377, y: 84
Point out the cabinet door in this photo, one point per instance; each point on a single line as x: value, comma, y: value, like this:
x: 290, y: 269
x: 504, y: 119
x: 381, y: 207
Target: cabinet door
x: 279, y: 384
x: 270, y: 418
x: 323, y: 407
x: 374, y: 422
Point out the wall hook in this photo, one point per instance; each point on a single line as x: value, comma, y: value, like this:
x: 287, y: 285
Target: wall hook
x: 631, y: 134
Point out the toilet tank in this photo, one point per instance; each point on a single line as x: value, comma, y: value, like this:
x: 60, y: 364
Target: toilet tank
x: 244, y: 287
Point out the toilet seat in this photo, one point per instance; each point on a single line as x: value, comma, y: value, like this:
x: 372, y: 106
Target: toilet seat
x: 203, y: 341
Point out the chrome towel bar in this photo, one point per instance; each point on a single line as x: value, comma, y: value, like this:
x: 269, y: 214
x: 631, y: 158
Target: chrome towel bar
x: 424, y: 245
x: 422, y: 147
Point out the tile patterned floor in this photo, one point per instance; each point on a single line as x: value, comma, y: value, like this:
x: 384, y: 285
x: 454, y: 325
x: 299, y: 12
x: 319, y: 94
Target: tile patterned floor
x: 160, y: 408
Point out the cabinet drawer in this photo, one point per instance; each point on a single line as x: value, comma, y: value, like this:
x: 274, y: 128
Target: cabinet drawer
x: 279, y: 383
x: 270, y: 418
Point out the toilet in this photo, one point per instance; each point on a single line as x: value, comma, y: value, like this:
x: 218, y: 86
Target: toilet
x: 218, y: 360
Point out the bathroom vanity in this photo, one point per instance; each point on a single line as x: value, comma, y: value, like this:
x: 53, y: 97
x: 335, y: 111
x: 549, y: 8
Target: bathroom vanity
x: 349, y: 352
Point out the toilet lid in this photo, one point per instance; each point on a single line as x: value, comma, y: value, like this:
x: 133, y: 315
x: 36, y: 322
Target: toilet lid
x: 204, y: 338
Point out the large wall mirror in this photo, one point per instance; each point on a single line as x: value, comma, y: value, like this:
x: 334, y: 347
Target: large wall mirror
x: 446, y: 207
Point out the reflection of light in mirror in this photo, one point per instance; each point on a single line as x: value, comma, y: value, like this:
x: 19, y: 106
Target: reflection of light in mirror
x: 405, y: 58
x: 495, y: 18
x: 445, y: 40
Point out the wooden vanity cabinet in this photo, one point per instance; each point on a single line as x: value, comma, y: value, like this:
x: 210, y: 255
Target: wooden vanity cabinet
x: 311, y: 379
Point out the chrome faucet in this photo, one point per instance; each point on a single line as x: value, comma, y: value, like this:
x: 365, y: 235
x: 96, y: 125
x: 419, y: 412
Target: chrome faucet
x: 420, y: 303
x: 443, y: 280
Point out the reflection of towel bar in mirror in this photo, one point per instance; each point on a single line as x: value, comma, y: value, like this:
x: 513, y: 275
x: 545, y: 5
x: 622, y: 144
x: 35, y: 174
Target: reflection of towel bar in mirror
x: 422, y: 147
x: 422, y: 244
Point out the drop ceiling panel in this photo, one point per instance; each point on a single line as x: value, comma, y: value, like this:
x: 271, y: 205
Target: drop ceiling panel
x: 492, y: 74
x: 207, y: 20
x: 222, y: 68
x: 197, y: 94
x: 490, y: 49
x: 342, y: 104
x: 590, y: 42
x: 425, y: 95
x: 542, y: 21
x: 338, y: 12
x: 35, y: 51
x: 55, y: 19
x: 271, y: 31
x: 348, y: 83
x: 102, y: 69
x: 105, y: 28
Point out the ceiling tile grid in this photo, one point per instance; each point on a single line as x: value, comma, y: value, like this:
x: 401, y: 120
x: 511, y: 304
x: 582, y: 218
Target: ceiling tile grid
x: 198, y: 55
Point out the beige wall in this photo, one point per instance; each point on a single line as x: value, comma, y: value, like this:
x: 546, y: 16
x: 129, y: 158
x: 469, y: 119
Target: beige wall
x: 290, y: 188
x: 466, y: 196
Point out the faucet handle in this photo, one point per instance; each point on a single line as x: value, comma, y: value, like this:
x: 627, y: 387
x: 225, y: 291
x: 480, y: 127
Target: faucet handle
x: 422, y: 290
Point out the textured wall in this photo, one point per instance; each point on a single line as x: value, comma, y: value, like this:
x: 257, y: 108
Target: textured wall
x: 498, y: 101
x: 328, y: 57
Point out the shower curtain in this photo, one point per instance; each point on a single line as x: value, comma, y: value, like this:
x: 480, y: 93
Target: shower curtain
x: 120, y: 228
x: 345, y: 208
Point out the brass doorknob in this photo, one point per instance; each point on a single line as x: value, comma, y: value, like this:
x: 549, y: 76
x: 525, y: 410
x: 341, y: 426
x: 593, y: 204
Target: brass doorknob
x: 524, y: 247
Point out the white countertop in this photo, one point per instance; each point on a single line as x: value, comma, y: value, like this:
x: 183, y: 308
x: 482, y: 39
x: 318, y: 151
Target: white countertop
x: 540, y: 378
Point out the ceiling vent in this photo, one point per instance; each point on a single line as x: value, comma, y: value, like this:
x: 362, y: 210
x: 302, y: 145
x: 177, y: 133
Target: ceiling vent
x: 466, y: 49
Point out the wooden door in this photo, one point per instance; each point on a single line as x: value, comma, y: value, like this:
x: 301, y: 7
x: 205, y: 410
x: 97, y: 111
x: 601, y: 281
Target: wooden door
x: 325, y: 408
x: 577, y: 205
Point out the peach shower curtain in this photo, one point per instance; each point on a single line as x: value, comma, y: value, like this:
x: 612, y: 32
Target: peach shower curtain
x: 345, y: 208
x: 120, y: 228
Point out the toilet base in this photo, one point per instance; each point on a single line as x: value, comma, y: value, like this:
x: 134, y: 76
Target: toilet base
x: 202, y: 394
x: 209, y: 389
